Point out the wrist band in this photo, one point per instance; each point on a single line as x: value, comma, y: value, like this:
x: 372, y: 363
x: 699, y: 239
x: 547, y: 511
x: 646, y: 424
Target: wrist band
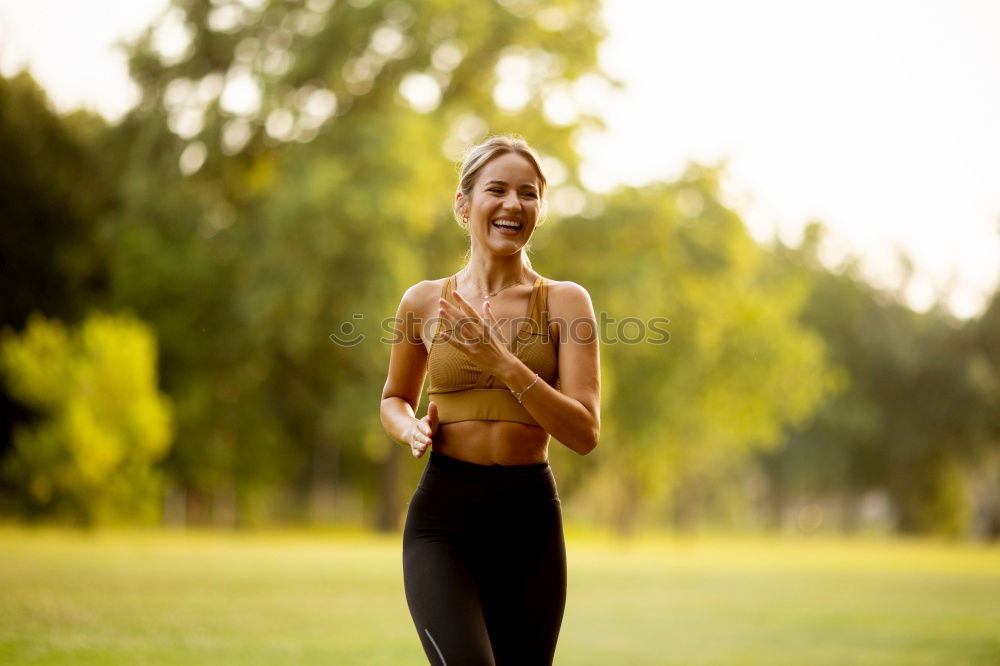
x: 518, y: 395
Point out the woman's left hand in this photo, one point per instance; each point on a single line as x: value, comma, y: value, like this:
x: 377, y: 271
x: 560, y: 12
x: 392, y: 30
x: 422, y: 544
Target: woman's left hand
x: 478, y: 336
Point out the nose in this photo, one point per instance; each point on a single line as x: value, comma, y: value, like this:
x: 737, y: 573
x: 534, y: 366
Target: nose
x: 512, y: 201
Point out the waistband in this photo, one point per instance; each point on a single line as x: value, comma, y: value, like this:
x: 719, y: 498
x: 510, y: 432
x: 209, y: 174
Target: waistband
x: 439, y: 459
x: 459, y: 479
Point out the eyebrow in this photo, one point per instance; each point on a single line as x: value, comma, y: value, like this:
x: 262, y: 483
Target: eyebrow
x: 502, y: 182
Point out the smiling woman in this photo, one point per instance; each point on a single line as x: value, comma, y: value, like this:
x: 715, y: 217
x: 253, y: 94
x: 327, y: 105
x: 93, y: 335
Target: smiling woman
x: 484, y: 560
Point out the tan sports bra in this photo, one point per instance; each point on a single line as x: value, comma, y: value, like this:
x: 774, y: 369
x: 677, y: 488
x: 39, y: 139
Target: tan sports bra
x: 464, y: 392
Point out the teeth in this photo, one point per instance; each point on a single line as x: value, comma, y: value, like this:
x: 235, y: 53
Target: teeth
x: 505, y: 223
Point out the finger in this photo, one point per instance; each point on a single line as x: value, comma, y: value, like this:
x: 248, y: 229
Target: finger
x: 463, y: 304
x: 489, y: 317
x: 465, y: 308
x: 456, y: 342
x: 492, y: 326
x: 446, y: 309
x: 480, y: 321
x: 442, y: 329
x: 462, y: 335
x: 432, y: 417
x: 467, y: 342
x: 422, y: 435
x: 452, y: 310
x: 458, y: 319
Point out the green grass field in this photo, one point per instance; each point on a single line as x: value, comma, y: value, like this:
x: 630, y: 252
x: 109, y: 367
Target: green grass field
x: 337, y: 599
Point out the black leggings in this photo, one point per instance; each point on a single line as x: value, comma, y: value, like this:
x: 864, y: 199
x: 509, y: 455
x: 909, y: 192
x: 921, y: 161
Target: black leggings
x: 484, y: 563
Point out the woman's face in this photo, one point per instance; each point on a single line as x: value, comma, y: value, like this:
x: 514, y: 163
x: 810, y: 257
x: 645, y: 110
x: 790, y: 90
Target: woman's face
x: 503, y: 205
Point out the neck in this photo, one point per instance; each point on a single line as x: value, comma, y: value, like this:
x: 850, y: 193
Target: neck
x: 489, y: 273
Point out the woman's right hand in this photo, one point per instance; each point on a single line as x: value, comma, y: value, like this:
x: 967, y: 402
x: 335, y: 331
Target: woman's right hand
x: 421, y: 433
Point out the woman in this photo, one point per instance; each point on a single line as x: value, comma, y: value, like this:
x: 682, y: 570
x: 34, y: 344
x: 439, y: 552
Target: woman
x: 484, y: 561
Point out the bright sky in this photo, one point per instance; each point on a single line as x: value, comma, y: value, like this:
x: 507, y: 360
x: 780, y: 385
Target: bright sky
x: 879, y: 117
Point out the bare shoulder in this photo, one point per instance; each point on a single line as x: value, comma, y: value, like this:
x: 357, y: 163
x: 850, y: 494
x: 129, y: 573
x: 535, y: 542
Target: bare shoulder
x: 568, y: 299
x: 419, y: 305
x: 422, y: 296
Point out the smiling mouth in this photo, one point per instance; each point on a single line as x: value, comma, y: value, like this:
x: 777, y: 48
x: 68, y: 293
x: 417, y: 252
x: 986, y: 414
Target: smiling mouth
x: 507, y: 225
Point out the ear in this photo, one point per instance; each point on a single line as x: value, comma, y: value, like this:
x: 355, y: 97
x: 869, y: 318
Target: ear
x: 461, y: 205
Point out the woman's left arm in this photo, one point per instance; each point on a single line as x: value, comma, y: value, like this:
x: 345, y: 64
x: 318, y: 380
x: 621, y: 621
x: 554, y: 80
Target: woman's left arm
x: 572, y: 415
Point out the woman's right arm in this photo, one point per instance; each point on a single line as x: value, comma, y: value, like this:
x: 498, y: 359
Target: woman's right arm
x: 407, y: 367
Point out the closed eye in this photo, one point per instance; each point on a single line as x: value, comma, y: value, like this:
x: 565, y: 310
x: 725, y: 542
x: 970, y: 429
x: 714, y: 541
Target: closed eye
x: 497, y: 190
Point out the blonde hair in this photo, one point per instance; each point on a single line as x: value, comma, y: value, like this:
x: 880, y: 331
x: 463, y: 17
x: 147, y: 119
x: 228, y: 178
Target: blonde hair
x: 480, y: 155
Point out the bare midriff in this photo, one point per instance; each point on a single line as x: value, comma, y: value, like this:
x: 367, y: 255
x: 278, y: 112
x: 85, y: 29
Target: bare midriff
x: 492, y: 442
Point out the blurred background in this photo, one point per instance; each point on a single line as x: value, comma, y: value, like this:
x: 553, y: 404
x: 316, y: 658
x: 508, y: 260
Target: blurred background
x: 199, y: 194
x: 203, y: 201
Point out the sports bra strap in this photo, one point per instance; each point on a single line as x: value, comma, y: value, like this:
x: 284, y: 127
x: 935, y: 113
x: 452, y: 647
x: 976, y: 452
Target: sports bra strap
x: 540, y: 305
x: 447, y: 288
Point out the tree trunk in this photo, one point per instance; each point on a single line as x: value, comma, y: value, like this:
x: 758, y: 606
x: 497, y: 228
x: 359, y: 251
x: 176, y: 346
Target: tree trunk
x: 689, y: 505
x: 389, y: 516
x: 626, y: 509
x: 323, y: 480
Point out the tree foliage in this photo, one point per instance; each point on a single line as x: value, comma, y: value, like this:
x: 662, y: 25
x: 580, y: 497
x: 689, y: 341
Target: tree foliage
x: 102, y: 424
x: 738, y: 365
x: 288, y: 173
x: 289, y: 170
x: 916, y: 416
x: 53, y: 193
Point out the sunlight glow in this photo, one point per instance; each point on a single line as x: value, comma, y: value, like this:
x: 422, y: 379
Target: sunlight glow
x: 877, y: 118
x: 421, y: 91
x: 242, y: 94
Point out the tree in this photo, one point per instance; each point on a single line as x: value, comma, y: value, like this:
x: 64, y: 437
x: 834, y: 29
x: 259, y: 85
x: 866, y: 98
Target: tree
x: 52, y: 195
x: 288, y: 171
x: 735, y: 367
x: 913, y: 419
x: 102, y: 426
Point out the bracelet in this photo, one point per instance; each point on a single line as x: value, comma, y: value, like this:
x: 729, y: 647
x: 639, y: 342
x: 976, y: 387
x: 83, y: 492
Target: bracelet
x: 518, y: 395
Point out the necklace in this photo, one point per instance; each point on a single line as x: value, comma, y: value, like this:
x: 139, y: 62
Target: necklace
x: 509, y: 284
